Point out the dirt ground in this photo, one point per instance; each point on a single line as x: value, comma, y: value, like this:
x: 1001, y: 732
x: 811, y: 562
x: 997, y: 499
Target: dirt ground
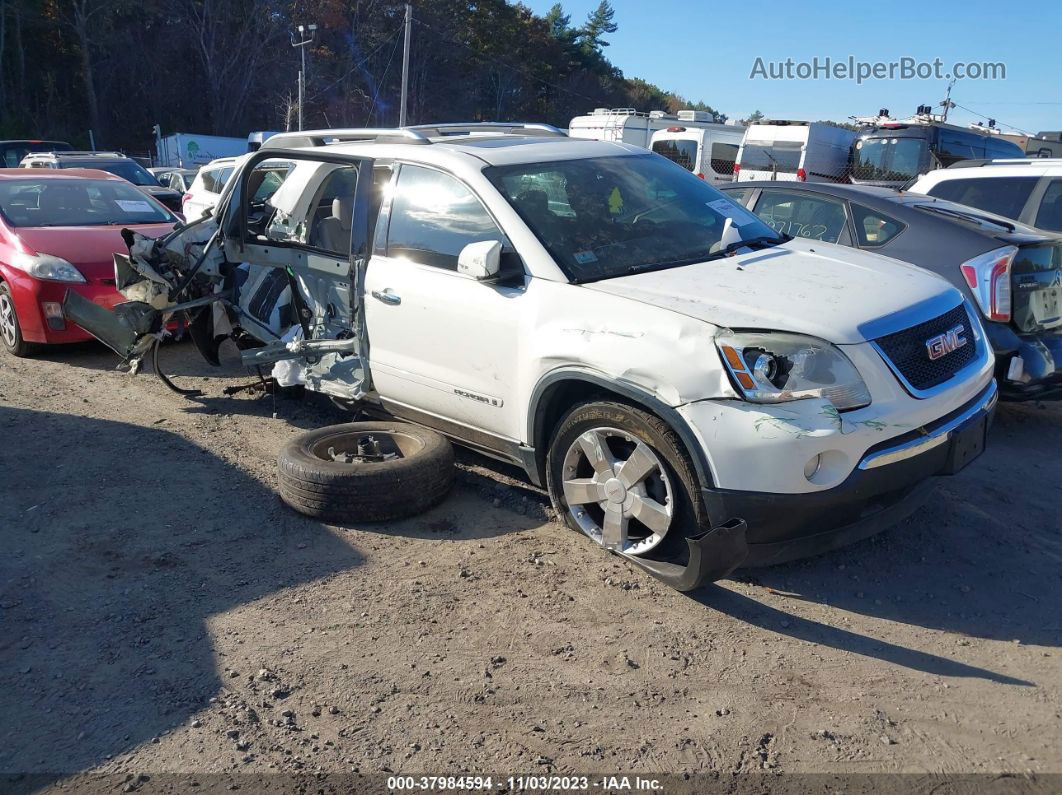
x: 163, y: 612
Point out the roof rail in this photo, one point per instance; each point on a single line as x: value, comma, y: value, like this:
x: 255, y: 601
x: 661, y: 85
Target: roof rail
x: 1008, y: 161
x: 287, y: 140
x: 468, y: 128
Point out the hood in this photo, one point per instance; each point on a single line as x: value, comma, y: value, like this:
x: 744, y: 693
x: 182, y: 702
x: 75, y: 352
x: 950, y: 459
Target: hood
x: 91, y: 249
x: 803, y: 286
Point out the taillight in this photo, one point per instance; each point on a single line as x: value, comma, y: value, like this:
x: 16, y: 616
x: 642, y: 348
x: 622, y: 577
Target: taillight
x: 185, y: 198
x: 988, y: 276
x: 700, y: 176
x: 802, y: 175
x: 737, y: 168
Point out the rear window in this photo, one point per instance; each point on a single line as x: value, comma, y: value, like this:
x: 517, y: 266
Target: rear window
x: 11, y: 154
x: 723, y: 158
x: 1049, y: 216
x: 128, y: 170
x: 214, y: 179
x: 1004, y: 196
x: 681, y: 151
x: 77, y: 202
x: 781, y: 157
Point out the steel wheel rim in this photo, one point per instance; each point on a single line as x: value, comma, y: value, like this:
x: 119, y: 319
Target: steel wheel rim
x: 392, y: 443
x: 7, y: 320
x: 618, y: 490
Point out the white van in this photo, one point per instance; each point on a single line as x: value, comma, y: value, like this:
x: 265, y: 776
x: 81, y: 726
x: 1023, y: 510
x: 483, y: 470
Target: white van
x: 709, y: 152
x: 630, y: 126
x: 808, y: 151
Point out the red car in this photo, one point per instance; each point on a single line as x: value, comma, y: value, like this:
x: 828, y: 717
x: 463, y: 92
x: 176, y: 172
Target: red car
x: 59, y: 231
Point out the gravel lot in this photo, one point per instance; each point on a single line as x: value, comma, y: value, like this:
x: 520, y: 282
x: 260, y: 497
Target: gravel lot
x: 163, y: 612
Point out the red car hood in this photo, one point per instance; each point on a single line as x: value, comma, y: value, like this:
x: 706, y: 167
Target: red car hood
x: 90, y: 248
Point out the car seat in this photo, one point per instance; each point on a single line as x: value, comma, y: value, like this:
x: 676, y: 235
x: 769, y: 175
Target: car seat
x: 333, y: 232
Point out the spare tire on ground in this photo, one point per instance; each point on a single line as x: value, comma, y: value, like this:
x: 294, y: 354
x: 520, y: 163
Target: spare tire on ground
x: 365, y: 471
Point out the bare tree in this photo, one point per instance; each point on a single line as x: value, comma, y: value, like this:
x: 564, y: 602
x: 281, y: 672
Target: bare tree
x: 86, y: 19
x: 233, y: 40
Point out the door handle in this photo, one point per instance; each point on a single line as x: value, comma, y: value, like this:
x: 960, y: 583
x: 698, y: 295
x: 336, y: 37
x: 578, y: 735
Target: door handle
x: 387, y: 296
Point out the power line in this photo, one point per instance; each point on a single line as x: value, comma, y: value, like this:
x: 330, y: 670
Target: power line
x: 983, y: 116
x: 383, y: 79
x: 356, y: 66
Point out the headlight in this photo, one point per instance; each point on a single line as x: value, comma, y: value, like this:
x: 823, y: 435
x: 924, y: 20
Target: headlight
x: 775, y: 368
x: 45, y: 266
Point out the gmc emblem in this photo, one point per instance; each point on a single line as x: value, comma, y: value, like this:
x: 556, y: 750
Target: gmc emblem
x: 943, y: 344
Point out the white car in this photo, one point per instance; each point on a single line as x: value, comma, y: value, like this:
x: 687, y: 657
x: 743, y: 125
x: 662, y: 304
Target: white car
x: 1027, y: 190
x: 206, y: 188
x: 648, y: 350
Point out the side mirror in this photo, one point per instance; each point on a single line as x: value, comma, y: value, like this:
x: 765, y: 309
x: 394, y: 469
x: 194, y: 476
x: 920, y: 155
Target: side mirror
x: 480, y: 260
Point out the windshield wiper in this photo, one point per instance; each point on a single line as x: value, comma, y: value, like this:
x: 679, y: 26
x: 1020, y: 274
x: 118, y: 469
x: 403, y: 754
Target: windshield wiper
x: 761, y: 240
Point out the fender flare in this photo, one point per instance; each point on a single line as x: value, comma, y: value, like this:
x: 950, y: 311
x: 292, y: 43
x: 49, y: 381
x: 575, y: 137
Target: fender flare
x: 536, y: 430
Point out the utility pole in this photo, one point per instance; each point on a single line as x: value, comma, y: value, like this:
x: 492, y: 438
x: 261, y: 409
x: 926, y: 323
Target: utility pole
x: 405, y: 68
x: 306, y: 35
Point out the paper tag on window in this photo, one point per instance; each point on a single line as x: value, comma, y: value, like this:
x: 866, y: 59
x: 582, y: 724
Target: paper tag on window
x: 738, y: 214
x: 585, y: 257
x: 134, y: 206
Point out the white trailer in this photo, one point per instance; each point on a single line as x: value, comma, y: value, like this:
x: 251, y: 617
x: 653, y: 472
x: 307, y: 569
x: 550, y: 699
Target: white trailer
x: 188, y: 150
x: 631, y: 126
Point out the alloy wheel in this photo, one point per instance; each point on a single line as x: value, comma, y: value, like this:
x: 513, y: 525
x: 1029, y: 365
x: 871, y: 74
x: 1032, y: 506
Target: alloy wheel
x: 618, y: 490
x: 8, y: 320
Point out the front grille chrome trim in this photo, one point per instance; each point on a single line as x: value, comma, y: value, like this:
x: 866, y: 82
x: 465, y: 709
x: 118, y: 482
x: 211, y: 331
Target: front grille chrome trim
x: 985, y: 403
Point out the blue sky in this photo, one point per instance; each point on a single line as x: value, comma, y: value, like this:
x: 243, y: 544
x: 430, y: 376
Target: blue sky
x: 706, y: 50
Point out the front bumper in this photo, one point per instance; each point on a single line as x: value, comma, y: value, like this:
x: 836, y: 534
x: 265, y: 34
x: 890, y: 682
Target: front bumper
x: 32, y: 294
x: 892, y: 481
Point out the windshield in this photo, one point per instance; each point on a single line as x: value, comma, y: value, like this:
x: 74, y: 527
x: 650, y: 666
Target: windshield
x: 781, y: 157
x: 126, y: 169
x: 77, y: 202
x: 11, y: 153
x: 610, y: 216
x: 888, y: 159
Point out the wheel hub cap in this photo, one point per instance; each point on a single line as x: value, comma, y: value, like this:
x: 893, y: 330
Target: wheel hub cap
x: 617, y: 490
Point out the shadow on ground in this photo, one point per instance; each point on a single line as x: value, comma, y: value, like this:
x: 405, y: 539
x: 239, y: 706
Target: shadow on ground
x: 119, y: 542
x: 983, y: 559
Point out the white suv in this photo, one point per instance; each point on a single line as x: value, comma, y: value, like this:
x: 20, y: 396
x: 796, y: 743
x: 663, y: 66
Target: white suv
x: 643, y: 346
x: 1027, y: 190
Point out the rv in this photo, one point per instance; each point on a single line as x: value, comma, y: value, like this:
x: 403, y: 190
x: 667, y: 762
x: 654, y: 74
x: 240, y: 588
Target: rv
x: 805, y: 151
x: 890, y: 153
x: 629, y: 126
x: 710, y: 151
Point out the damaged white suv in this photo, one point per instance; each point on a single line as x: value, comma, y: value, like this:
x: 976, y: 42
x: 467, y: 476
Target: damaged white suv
x: 696, y: 391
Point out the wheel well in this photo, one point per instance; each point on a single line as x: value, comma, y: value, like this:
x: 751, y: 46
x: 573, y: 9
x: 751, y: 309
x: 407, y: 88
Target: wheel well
x: 558, y: 397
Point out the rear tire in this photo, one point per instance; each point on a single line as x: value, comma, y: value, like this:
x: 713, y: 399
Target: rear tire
x: 10, y: 328
x: 650, y: 517
x: 313, y: 482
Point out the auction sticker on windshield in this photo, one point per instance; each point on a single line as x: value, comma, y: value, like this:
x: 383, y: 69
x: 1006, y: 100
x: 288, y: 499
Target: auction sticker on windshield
x: 738, y: 214
x: 134, y: 206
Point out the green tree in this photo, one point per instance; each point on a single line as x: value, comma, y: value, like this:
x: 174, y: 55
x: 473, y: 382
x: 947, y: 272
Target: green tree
x: 598, y: 24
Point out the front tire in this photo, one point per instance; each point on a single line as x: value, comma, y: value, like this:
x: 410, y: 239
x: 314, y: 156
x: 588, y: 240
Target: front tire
x: 620, y: 475
x: 10, y: 328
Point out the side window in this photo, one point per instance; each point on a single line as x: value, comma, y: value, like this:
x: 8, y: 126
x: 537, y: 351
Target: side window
x: 1049, y: 216
x: 873, y: 228
x: 813, y: 217
x: 1004, y: 196
x: 433, y: 217
x: 723, y: 158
